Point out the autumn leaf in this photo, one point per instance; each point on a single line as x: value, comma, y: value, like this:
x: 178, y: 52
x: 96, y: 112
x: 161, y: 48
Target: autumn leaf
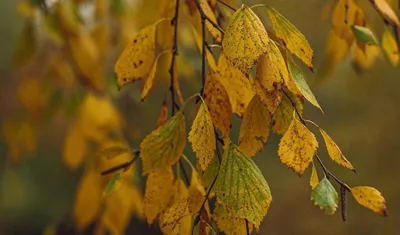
x: 137, y: 58
x: 210, y: 14
x: 163, y: 116
x: 245, y: 39
x: 364, y: 35
x: 196, y: 193
x: 325, y: 196
x: 164, y: 146
x: 354, y: 16
x: 370, y: 198
x: 113, y: 185
x: 209, y: 56
x: 284, y: 114
x: 218, y: 104
x: 334, y: 151
x: 202, y: 137
x: 228, y: 222
x: 297, y: 147
x: 87, y: 199
x: 113, y: 151
x: 386, y: 12
x: 150, y: 79
x: 75, y: 147
x: 301, y: 82
x: 271, y: 69
x: 389, y: 45
x: 314, y: 177
x: 292, y: 38
x: 241, y: 187
x: 364, y: 58
x: 158, y: 193
x: 208, y: 176
x: 239, y: 87
x: 270, y: 99
x: 254, y: 130
x: 171, y: 219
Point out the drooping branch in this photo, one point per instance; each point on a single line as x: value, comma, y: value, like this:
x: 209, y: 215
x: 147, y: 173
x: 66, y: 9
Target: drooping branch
x: 123, y: 166
x: 174, y: 22
x: 327, y: 173
x: 227, y: 5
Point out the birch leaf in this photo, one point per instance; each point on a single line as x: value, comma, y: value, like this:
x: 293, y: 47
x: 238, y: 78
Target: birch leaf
x: 137, y: 58
x: 270, y: 99
x: 254, y: 130
x: 363, y: 35
x: 113, y: 185
x: 292, y: 38
x: 207, y: 10
x: 158, y: 193
x: 271, y: 69
x: 386, y: 11
x: 218, y: 103
x: 245, y: 39
x: 241, y: 187
x: 202, y: 137
x: 390, y: 47
x: 239, y: 87
x: 314, y: 177
x: 301, y: 82
x: 150, y: 79
x: 171, y: 219
x: 370, y: 198
x: 284, y: 114
x: 163, y: 116
x: 75, y: 147
x: 297, y: 147
x: 334, y: 151
x: 164, y: 146
x: 325, y: 197
x: 228, y: 222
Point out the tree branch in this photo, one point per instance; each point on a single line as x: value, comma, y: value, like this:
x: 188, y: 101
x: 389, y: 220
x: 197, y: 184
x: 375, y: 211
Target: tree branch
x: 123, y: 166
x: 174, y: 22
x: 227, y: 5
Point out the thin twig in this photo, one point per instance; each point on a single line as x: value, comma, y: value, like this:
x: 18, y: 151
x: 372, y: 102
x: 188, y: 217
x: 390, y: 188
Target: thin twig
x: 327, y: 173
x: 227, y: 5
x: 247, y: 227
x: 346, y: 11
x: 174, y: 21
x: 123, y: 166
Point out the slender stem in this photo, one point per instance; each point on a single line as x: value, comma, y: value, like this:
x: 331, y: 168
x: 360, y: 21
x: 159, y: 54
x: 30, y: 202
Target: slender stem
x: 203, y: 53
x: 346, y: 11
x: 123, y: 166
x: 247, y: 227
x: 396, y: 35
x: 327, y: 173
x: 227, y: 5
x: 185, y: 175
x: 174, y: 21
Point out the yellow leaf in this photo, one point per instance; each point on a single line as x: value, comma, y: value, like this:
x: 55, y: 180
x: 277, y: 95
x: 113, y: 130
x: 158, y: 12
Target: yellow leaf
x: 75, y: 147
x: 284, y: 114
x: 314, y: 177
x: 196, y: 194
x: 336, y: 50
x: 218, y: 104
x: 334, y: 151
x: 239, y: 87
x: 176, y: 85
x: 270, y: 99
x: 33, y: 96
x: 202, y: 137
x: 297, y: 147
x: 292, y: 38
x: 164, y: 146
x: 370, y: 198
x: 87, y: 199
x: 390, y: 47
x: 209, y: 12
x: 117, y: 213
x: 228, y: 222
x: 158, y: 193
x: 271, y: 69
x: 172, y: 218
x: 150, y: 79
x: 241, y: 187
x: 364, y: 58
x: 87, y: 59
x: 254, y: 130
x: 65, y: 11
x: 386, y: 11
x: 245, y: 39
x: 137, y: 58
x: 355, y: 16
x: 165, y: 32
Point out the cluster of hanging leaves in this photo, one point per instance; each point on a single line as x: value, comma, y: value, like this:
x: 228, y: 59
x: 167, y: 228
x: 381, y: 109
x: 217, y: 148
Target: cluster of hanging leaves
x: 351, y: 33
x: 257, y: 75
x: 268, y: 98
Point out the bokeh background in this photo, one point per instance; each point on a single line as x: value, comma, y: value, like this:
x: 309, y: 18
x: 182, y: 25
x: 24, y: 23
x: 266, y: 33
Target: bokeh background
x: 37, y: 192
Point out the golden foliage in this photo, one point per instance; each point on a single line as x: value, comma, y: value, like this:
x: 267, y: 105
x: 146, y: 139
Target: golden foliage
x: 370, y: 198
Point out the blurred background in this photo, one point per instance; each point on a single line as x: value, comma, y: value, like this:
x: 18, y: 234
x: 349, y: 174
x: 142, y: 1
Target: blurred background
x: 58, y: 90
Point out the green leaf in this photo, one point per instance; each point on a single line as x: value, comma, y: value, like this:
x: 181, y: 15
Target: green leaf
x: 301, y: 83
x: 164, y: 146
x: 325, y: 196
x: 113, y: 185
x: 241, y: 186
x: 363, y: 35
x: 113, y: 151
